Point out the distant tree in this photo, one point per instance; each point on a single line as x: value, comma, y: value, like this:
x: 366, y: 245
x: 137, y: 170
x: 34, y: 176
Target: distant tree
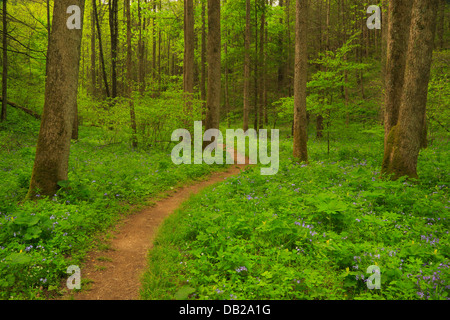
x: 189, y: 53
x: 247, y: 65
x: 113, y: 9
x: 5, y: 63
x: 300, y: 81
x: 129, y: 67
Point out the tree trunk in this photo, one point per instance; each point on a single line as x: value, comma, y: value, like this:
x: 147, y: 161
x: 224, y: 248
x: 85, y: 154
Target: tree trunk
x: 130, y: 76
x: 5, y: 63
x: 214, y: 66
x: 189, y: 50
x: 441, y: 25
x: 256, y: 74
x: 141, y: 51
x: 154, y: 41
x: 75, y: 123
x: 114, y: 32
x: 49, y: 27
x: 384, y: 32
x: 247, y: 65
x: 102, y: 57
x: 93, y: 55
x: 397, y: 46
x: 53, y: 145
x: 262, y: 69
x: 282, y: 63
x: 288, y: 36
x: 203, y: 61
x: 300, y: 80
x: 159, y: 54
x: 404, y: 140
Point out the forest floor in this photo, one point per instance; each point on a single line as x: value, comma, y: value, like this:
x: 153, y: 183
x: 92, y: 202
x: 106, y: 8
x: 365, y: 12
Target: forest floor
x: 115, y: 274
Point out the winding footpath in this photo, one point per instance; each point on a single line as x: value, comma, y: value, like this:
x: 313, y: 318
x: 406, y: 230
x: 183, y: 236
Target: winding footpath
x: 115, y: 274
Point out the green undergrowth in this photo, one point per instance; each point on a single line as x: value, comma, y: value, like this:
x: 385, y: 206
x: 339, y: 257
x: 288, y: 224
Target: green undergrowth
x: 311, y: 230
x: 40, y: 239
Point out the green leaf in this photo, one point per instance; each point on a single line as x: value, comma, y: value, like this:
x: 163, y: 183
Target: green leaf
x: 18, y: 258
x: 184, y: 293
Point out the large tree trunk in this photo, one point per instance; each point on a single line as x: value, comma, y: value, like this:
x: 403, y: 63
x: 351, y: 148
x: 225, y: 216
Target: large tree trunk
x: 300, y: 80
x: 404, y: 139
x: 397, y: 45
x: 214, y: 66
x: 246, y: 65
x: 53, y: 145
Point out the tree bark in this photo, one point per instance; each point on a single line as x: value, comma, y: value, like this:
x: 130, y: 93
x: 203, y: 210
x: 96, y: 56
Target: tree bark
x: 397, y: 45
x: 93, y: 55
x: 246, y: 65
x: 5, y: 63
x: 256, y: 72
x: 404, y: 140
x: 300, y: 79
x: 262, y: 69
x: 214, y: 66
x: 130, y: 76
x: 114, y: 32
x: 441, y: 24
x: 53, y: 145
x: 102, y: 57
x: 203, y: 61
x: 141, y: 50
x: 189, y: 50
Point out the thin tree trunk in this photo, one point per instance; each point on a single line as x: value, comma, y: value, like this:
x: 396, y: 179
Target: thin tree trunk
x: 93, y: 56
x: 203, y: 61
x: 102, y: 58
x: 261, y: 62
x: 154, y: 41
x: 5, y: 63
x: 300, y: 79
x: 288, y: 36
x: 130, y: 76
x: 141, y: 51
x: 281, y: 66
x: 246, y: 65
x: 189, y: 50
x: 256, y: 74
x: 159, y: 54
x: 49, y: 27
x: 441, y: 25
x: 53, y: 146
x: 114, y: 32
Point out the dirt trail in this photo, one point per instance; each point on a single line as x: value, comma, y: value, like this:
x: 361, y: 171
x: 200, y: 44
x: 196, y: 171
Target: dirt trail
x: 116, y: 276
